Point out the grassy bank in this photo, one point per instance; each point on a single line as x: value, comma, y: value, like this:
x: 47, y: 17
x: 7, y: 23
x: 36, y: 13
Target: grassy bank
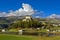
x: 17, y: 37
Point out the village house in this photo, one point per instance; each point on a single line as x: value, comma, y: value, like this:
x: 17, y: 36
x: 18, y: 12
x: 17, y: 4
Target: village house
x: 56, y: 24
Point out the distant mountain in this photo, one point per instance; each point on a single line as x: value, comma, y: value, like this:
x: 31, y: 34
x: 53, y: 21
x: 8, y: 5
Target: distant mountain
x: 10, y: 19
x: 54, y: 16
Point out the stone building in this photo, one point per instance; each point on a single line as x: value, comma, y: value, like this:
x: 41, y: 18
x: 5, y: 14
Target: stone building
x: 27, y: 18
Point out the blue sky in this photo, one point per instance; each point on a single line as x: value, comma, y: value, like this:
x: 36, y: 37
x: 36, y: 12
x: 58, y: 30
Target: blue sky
x: 47, y: 6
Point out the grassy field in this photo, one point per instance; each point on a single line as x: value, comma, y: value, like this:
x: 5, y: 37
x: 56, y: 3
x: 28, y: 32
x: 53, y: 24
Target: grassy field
x: 17, y: 37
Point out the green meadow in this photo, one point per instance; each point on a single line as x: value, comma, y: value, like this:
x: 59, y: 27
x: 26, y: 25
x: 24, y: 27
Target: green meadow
x: 18, y: 37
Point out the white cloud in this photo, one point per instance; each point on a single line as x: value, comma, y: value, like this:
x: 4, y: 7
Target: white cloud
x: 54, y: 16
x: 37, y: 16
x: 25, y: 10
x: 3, y: 14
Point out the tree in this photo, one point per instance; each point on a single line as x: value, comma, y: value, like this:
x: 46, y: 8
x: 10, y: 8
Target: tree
x: 30, y: 23
x: 25, y: 24
x: 16, y: 25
